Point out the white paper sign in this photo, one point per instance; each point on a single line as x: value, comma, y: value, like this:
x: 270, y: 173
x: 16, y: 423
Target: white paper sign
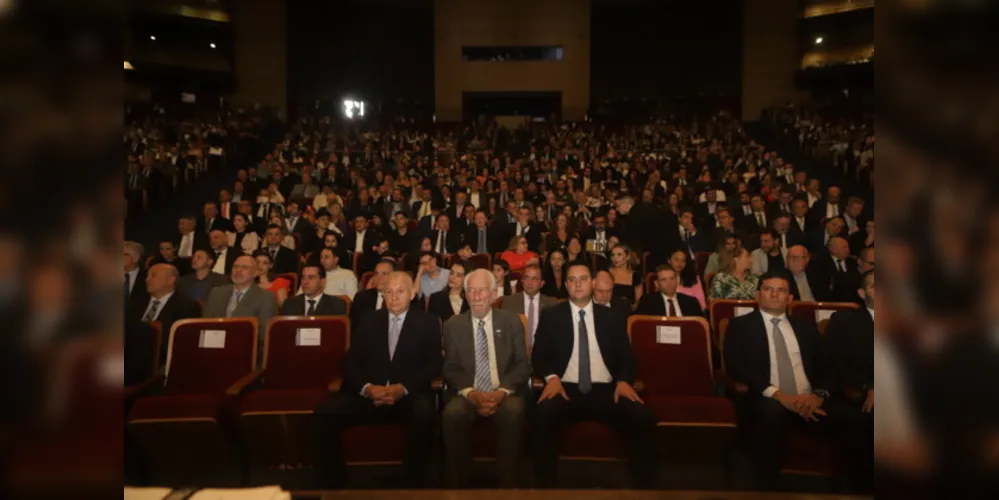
x: 308, y: 337
x: 668, y: 334
x: 823, y: 314
x: 215, y: 151
x: 513, y: 285
x: 212, y: 339
x: 742, y: 311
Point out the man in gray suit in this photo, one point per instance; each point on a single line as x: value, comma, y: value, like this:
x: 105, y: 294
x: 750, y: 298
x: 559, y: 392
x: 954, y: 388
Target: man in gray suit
x: 486, y: 369
x: 529, y: 302
x: 242, y: 298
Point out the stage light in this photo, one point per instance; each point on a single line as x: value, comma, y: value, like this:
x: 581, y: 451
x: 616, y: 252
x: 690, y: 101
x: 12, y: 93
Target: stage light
x: 212, y: 45
x: 818, y: 40
x: 353, y: 109
x: 152, y: 37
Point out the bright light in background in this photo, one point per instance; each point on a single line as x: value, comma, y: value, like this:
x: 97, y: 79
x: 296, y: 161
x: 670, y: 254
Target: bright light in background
x: 353, y: 109
x: 212, y: 45
x: 152, y: 37
x: 129, y: 66
x: 818, y: 40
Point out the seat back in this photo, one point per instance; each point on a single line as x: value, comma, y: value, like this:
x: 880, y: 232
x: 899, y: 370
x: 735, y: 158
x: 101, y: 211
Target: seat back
x: 719, y: 309
x: 648, y: 265
x: 481, y: 261
x: 346, y: 300
x: 818, y: 312
x: 88, y: 388
x: 297, y: 357
x: 200, y: 360
x: 157, y: 346
x: 701, y: 260
x: 365, y: 279
x: 650, y: 283
x: 673, y: 355
x: 357, y: 263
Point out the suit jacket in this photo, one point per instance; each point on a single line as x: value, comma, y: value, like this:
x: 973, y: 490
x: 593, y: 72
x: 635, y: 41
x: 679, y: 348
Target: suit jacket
x: 495, y: 235
x: 218, y: 222
x: 440, y: 305
x: 818, y: 210
x: 328, y: 305
x: 512, y: 363
x: 200, y: 242
x: 654, y: 305
x: 533, y: 235
x: 417, y: 359
x: 257, y: 302
x: 830, y: 285
x: 178, y: 307
x: 796, y: 291
x: 186, y: 282
x: 364, y: 303
x: 231, y: 254
x: 371, y: 238
x: 515, y: 303
x: 555, y: 338
x: 452, y: 240
x: 138, y: 350
x: 138, y: 293
x: 761, y: 260
x: 795, y: 231
x: 285, y: 261
x: 747, y: 355
x: 850, y: 350
x: 620, y: 305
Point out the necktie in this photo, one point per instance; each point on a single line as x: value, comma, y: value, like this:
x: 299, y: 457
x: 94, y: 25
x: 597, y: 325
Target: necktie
x: 482, y: 241
x: 585, y: 383
x: 274, y: 254
x: 312, y: 307
x: 151, y: 313
x: 523, y: 230
x: 394, y: 332
x: 128, y: 287
x: 759, y: 220
x: 208, y: 225
x: 440, y: 242
x: 530, y: 319
x: 483, y: 379
x: 670, y: 311
x: 783, y: 241
x: 233, y: 303
x: 785, y: 372
x: 839, y: 266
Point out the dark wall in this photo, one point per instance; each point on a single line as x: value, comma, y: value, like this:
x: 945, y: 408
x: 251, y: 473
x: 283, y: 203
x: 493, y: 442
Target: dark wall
x: 369, y: 50
x: 660, y: 49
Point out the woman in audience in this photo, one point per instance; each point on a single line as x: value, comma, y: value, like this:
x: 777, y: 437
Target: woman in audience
x: 541, y: 217
x: 574, y: 250
x: 711, y: 268
x: 627, y: 281
x: 517, y: 256
x: 559, y: 235
x: 280, y: 287
x: 612, y: 218
x: 501, y: 270
x: 734, y: 281
x: 554, y: 275
x: 690, y: 283
x: 451, y: 300
x: 274, y: 194
x: 241, y: 238
x: 338, y: 222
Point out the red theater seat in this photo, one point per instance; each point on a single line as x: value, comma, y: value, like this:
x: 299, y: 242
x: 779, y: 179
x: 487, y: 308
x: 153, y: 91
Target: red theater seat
x: 722, y: 309
x: 818, y: 312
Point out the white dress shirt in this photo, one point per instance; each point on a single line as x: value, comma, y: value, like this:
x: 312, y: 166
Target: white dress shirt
x: 132, y: 276
x: 219, y: 267
x: 359, y: 244
x: 476, y: 200
x: 341, y: 281
x: 291, y: 223
x: 793, y: 350
x: 493, y: 371
x: 186, y: 245
x: 832, y: 210
x: 159, y: 307
x: 379, y: 302
x: 800, y: 221
x: 598, y: 369
x: 676, y: 305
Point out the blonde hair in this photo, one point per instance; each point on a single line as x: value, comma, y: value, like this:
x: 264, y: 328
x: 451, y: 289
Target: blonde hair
x: 726, y: 259
x: 514, y: 242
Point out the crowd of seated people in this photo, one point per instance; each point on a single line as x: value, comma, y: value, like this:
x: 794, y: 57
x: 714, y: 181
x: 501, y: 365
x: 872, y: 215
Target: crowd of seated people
x: 575, y: 226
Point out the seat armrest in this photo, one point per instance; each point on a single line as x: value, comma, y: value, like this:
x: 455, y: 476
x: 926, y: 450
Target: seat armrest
x: 336, y: 384
x: 241, y: 384
x: 639, y: 386
x: 144, y: 387
x: 437, y: 385
x: 734, y: 387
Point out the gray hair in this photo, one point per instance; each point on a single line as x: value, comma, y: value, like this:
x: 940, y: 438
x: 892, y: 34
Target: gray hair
x: 134, y: 249
x: 493, y: 285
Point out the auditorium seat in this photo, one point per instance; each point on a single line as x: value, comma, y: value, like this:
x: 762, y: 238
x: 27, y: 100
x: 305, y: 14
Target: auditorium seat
x: 210, y: 362
x: 154, y: 377
x: 299, y: 367
x: 648, y: 266
x: 722, y: 309
x: 819, y: 312
x: 347, y: 301
x: 481, y: 261
x: 365, y: 279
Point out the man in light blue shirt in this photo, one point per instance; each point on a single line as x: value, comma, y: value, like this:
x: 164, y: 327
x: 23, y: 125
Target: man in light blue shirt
x: 431, y: 277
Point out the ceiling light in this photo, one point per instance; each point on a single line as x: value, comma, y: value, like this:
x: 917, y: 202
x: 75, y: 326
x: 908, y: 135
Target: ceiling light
x: 818, y: 40
x: 128, y: 65
x: 152, y: 37
x: 212, y: 45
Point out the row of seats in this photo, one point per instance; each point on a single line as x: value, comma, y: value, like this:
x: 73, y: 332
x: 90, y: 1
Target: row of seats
x: 212, y: 404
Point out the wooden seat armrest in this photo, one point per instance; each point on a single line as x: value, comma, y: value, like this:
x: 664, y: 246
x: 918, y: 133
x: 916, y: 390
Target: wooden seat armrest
x: 142, y: 388
x: 437, y: 385
x: 241, y: 384
x: 336, y: 384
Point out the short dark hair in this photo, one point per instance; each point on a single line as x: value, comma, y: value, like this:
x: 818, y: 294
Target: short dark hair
x: 772, y: 232
x: 274, y: 226
x: 863, y: 277
x: 664, y: 267
x: 579, y: 263
x: 432, y: 254
x: 774, y: 275
x: 402, y: 213
x: 316, y: 264
x: 502, y: 263
x: 391, y: 263
x: 263, y: 253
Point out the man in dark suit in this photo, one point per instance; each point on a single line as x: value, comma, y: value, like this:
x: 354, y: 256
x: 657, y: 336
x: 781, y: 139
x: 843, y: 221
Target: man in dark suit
x: 694, y: 240
x: 850, y: 349
x: 362, y: 239
x: 832, y: 206
x: 725, y: 229
x: 527, y: 228
x: 835, y: 274
x: 138, y: 348
x: 224, y: 255
x: 370, y: 300
x: 188, y: 239
x: 394, y: 356
x: 707, y: 210
x: 457, y: 209
x: 164, y: 303
x: 779, y: 358
x: 312, y: 301
x: 484, y: 237
x: 486, y: 369
x: 598, y: 233
x: 801, y: 223
x: 802, y: 279
x: 668, y: 302
x: 818, y: 240
x: 295, y: 223
x: 444, y: 240
x: 210, y: 219
x: 603, y: 294
x: 135, y: 276
x: 582, y: 352
x: 285, y: 260
x: 200, y: 282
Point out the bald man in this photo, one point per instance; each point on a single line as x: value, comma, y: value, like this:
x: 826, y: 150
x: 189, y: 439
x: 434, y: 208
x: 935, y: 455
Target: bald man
x: 802, y: 283
x: 242, y: 298
x: 835, y: 274
x: 394, y: 355
x: 165, y: 304
x: 603, y: 294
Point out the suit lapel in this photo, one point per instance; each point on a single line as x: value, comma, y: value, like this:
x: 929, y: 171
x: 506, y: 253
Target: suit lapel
x: 500, y: 332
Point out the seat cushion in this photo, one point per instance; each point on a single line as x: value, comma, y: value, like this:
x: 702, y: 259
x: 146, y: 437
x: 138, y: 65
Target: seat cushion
x: 370, y: 444
x: 282, y: 400
x: 692, y: 410
x: 590, y: 440
x: 210, y: 406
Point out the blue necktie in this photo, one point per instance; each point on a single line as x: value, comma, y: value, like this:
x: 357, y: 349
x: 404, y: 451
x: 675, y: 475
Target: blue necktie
x: 585, y: 383
x: 483, y: 379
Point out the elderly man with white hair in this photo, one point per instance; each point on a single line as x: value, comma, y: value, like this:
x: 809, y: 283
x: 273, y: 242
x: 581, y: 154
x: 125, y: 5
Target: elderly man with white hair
x: 486, y: 368
x: 134, y: 273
